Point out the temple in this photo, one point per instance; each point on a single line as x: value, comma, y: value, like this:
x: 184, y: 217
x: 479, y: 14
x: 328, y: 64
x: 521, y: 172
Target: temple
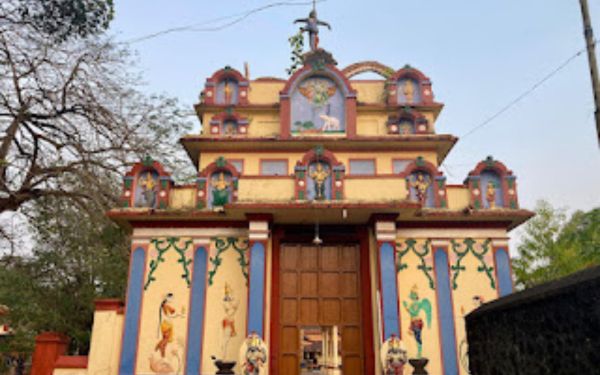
x: 320, y: 235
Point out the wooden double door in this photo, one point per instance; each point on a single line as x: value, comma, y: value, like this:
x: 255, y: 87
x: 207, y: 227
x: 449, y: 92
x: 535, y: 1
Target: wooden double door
x: 320, y: 287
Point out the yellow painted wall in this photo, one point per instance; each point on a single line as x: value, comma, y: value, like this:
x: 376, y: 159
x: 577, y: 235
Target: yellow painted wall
x: 266, y: 190
x: 264, y: 92
x: 372, y: 190
x: 182, y: 197
x: 407, y: 279
x: 369, y: 91
x: 105, y: 345
x: 71, y: 371
x: 168, y: 280
x: 470, y: 283
x: 371, y: 124
x: 458, y: 197
x: 220, y: 342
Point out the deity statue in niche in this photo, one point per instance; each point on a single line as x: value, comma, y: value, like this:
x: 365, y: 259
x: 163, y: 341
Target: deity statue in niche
x: 230, y: 307
x: 227, y: 92
x: 490, y: 194
x: 408, y: 92
x: 221, y: 185
x: 406, y: 127
x: 414, y: 308
x: 394, y: 356
x: 147, y: 190
x: 168, y: 361
x: 320, y: 175
x: 420, y: 185
x: 230, y: 127
x: 317, y: 107
x: 254, y: 355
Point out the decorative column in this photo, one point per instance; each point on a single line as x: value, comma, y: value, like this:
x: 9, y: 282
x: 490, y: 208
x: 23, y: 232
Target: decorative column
x: 385, y: 234
x: 258, y: 238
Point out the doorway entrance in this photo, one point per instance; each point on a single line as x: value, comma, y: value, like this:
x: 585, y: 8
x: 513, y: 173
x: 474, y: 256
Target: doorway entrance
x: 320, y: 329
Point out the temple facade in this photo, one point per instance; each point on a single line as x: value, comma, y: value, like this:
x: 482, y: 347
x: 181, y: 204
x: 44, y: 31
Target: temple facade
x: 320, y: 236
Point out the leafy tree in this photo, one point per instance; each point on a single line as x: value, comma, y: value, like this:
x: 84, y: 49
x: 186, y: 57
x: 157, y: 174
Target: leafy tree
x: 69, y: 111
x: 60, y: 19
x: 554, y: 245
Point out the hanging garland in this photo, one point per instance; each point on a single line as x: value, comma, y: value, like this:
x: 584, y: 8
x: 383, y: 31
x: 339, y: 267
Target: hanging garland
x: 224, y: 244
x: 162, y: 246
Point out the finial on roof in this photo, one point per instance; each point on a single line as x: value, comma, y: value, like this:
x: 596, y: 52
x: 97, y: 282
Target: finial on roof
x: 311, y: 27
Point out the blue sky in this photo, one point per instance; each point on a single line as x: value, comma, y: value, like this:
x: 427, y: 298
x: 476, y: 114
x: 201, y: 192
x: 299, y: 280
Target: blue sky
x: 479, y: 55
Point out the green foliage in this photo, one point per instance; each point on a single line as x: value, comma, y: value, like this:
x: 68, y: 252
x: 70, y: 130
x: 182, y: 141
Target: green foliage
x: 61, y: 19
x: 78, y: 256
x: 554, y: 245
x: 297, y: 44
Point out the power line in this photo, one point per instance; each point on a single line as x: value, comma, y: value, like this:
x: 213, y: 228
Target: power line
x: 237, y: 18
x: 526, y: 92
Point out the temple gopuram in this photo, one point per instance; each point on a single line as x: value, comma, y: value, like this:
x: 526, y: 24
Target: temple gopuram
x: 320, y: 235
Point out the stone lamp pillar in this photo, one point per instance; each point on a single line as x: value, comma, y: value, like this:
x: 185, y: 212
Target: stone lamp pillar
x: 418, y: 365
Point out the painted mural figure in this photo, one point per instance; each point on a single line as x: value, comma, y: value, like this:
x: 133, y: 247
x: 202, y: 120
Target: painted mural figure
x: 490, y: 194
x: 319, y: 176
x: 255, y: 356
x: 148, y: 185
x: 414, y: 308
x: 230, y: 306
x: 312, y: 28
x: 409, y: 90
x: 220, y: 190
x: 395, y: 357
x: 420, y: 184
x: 166, y: 314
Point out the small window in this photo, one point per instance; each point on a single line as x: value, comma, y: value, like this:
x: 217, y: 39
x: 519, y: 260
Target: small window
x: 238, y: 164
x: 273, y: 167
x: 398, y: 166
x: 362, y: 167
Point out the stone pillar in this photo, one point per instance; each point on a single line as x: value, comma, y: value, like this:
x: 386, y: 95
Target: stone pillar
x: 385, y: 234
x: 259, y: 237
x: 48, y: 347
x: 335, y: 343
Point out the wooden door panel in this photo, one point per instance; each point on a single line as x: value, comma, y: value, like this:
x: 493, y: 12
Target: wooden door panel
x: 320, y: 287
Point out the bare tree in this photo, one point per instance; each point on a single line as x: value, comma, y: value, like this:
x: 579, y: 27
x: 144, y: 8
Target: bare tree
x: 72, y: 112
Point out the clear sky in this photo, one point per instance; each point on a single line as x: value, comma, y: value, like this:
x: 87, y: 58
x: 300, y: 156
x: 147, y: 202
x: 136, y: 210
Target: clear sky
x: 480, y: 55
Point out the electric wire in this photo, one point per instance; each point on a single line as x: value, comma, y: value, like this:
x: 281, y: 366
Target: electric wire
x: 237, y: 18
x: 525, y: 93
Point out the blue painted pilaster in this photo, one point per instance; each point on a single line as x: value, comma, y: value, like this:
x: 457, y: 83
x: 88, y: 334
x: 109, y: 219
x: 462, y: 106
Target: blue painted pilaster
x: 132, y: 312
x: 389, y: 290
x: 446, y: 312
x: 196, y: 321
x: 256, y: 289
x: 505, y: 285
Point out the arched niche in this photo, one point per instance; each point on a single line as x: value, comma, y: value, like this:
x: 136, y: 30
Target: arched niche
x: 217, y: 185
x: 425, y: 184
x: 492, y: 185
x: 228, y: 124
x: 409, y: 86
x: 319, y: 176
x: 226, y: 87
x: 146, y: 185
x: 408, y: 122
x: 318, y: 102
x: 378, y: 68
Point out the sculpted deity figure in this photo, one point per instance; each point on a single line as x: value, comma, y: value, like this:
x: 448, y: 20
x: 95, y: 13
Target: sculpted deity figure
x: 490, y: 194
x: 312, y: 28
x: 420, y: 184
x: 409, y: 90
x: 255, y: 356
x: 148, y: 184
x: 227, y: 90
x: 220, y: 190
x: 319, y: 176
x: 395, y: 357
x: 414, y: 308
